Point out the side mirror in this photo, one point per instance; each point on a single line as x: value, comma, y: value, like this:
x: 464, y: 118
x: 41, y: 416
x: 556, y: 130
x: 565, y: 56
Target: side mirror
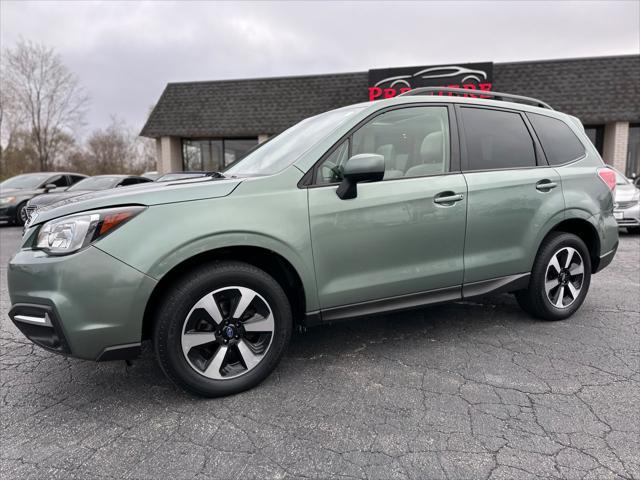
x: 364, y: 167
x: 50, y: 186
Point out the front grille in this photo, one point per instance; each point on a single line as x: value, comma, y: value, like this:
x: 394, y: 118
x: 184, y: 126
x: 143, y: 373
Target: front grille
x: 623, y: 205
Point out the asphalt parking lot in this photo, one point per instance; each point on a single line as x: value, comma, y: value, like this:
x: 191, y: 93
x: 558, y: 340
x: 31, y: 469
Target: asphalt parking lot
x: 468, y: 390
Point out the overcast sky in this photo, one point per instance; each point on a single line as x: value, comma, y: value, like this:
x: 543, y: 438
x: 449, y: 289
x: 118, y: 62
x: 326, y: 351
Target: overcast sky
x: 125, y: 53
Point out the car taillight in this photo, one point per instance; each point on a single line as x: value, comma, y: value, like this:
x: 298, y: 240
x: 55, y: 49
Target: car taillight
x: 608, y: 176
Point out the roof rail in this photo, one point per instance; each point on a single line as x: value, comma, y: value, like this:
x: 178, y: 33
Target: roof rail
x: 495, y: 95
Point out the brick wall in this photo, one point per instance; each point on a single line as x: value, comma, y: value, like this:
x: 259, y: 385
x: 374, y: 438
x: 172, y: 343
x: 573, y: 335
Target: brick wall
x: 616, y: 140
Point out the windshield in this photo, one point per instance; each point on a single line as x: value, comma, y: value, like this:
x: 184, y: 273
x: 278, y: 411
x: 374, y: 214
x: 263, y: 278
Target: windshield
x: 25, y: 181
x: 283, y: 150
x: 95, y: 183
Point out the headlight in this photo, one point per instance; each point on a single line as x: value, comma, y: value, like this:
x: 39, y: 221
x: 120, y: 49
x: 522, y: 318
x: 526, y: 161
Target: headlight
x: 69, y: 234
x: 7, y: 200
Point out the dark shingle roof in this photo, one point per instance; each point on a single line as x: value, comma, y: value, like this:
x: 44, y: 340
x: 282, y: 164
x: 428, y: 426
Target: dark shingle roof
x: 596, y: 90
x: 250, y: 107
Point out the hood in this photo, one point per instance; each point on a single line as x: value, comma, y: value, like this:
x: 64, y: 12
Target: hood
x: 7, y: 192
x: 145, y: 194
x: 19, y: 192
x: 625, y: 193
x: 45, y: 199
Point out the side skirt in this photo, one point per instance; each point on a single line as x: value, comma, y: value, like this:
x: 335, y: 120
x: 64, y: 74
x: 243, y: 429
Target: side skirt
x: 509, y: 283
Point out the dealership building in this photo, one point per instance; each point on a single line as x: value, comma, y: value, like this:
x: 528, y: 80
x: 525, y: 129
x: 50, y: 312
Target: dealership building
x: 209, y: 125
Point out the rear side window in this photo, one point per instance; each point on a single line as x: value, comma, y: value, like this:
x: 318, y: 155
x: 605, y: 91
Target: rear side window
x: 560, y: 144
x: 496, y: 139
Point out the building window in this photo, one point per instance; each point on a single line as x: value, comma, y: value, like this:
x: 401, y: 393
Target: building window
x: 596, y: 135
x: 206, y: 154
x: 633, y: 151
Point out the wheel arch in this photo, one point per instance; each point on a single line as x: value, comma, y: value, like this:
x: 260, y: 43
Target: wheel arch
x: 585, y: 230
x: 275, y: 264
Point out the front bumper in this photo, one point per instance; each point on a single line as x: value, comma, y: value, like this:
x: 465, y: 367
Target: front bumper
x: 628, y: 217
x: 88, y: 305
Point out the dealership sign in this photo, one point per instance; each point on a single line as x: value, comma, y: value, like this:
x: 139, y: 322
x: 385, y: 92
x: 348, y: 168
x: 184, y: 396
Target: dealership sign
x: 389, y: 82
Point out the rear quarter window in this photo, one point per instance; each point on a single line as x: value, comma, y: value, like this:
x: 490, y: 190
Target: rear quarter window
x: 559, y: 142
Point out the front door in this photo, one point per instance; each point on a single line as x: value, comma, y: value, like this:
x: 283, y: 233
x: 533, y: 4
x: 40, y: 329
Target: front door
x: 396, y: 237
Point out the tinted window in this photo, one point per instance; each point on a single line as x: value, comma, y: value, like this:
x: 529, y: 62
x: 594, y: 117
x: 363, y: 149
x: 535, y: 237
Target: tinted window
x: 76, y: 178
x: 414, y: 142
x: 560, y: 144
x: 496, y: 139
x: 58, y: 181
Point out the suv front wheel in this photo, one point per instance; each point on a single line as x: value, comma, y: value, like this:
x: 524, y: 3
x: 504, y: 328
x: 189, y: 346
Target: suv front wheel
x: 559, y: 280
x: 222, y: 328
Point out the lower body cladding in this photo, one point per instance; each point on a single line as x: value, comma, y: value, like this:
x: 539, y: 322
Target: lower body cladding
x: 88, y: 305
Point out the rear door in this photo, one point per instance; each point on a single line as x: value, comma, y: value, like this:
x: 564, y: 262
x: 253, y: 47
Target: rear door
x: 394, y: 238
x: 512, y: 192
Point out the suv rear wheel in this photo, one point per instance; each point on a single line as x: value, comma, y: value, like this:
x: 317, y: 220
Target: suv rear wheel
x: 222, y: 328
x: 559, y: 280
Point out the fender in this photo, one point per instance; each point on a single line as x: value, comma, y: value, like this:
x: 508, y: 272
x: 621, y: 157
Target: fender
x: 228, y: 239
x: 567, y: 214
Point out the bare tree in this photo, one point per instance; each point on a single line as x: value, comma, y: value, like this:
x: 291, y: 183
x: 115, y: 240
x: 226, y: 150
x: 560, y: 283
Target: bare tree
x: 111, y: 150
x: 46, y: 98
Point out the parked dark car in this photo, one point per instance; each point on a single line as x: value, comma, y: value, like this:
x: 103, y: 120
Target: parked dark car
x: 16, y: 191
x: 90, y: 184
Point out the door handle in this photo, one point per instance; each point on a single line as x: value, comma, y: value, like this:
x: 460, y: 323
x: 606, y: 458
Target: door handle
x: 447, y: 198
x: 545, y: 185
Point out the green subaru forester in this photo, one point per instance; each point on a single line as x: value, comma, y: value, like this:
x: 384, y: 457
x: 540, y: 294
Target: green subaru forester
x: 371, y: 208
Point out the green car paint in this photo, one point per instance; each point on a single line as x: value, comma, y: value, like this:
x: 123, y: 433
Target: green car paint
x: 390, y: 242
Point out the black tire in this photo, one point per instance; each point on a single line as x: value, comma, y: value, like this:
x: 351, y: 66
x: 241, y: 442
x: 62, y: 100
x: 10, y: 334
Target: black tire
x: 535, y: 300
x: 18, y: 220
x: 633, y: 230
x: 174, y: 309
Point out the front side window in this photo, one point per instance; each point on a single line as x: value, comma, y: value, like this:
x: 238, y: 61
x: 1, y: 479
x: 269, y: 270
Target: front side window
x: 414, y: 142
x: 496, y: 139
x: 58, y: 181
x: 559, y: 143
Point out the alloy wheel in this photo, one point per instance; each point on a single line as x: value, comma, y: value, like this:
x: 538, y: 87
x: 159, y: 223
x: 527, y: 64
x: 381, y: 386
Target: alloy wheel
x: 227, y: 332
x: 24, y: 217
x: 564, y: 277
